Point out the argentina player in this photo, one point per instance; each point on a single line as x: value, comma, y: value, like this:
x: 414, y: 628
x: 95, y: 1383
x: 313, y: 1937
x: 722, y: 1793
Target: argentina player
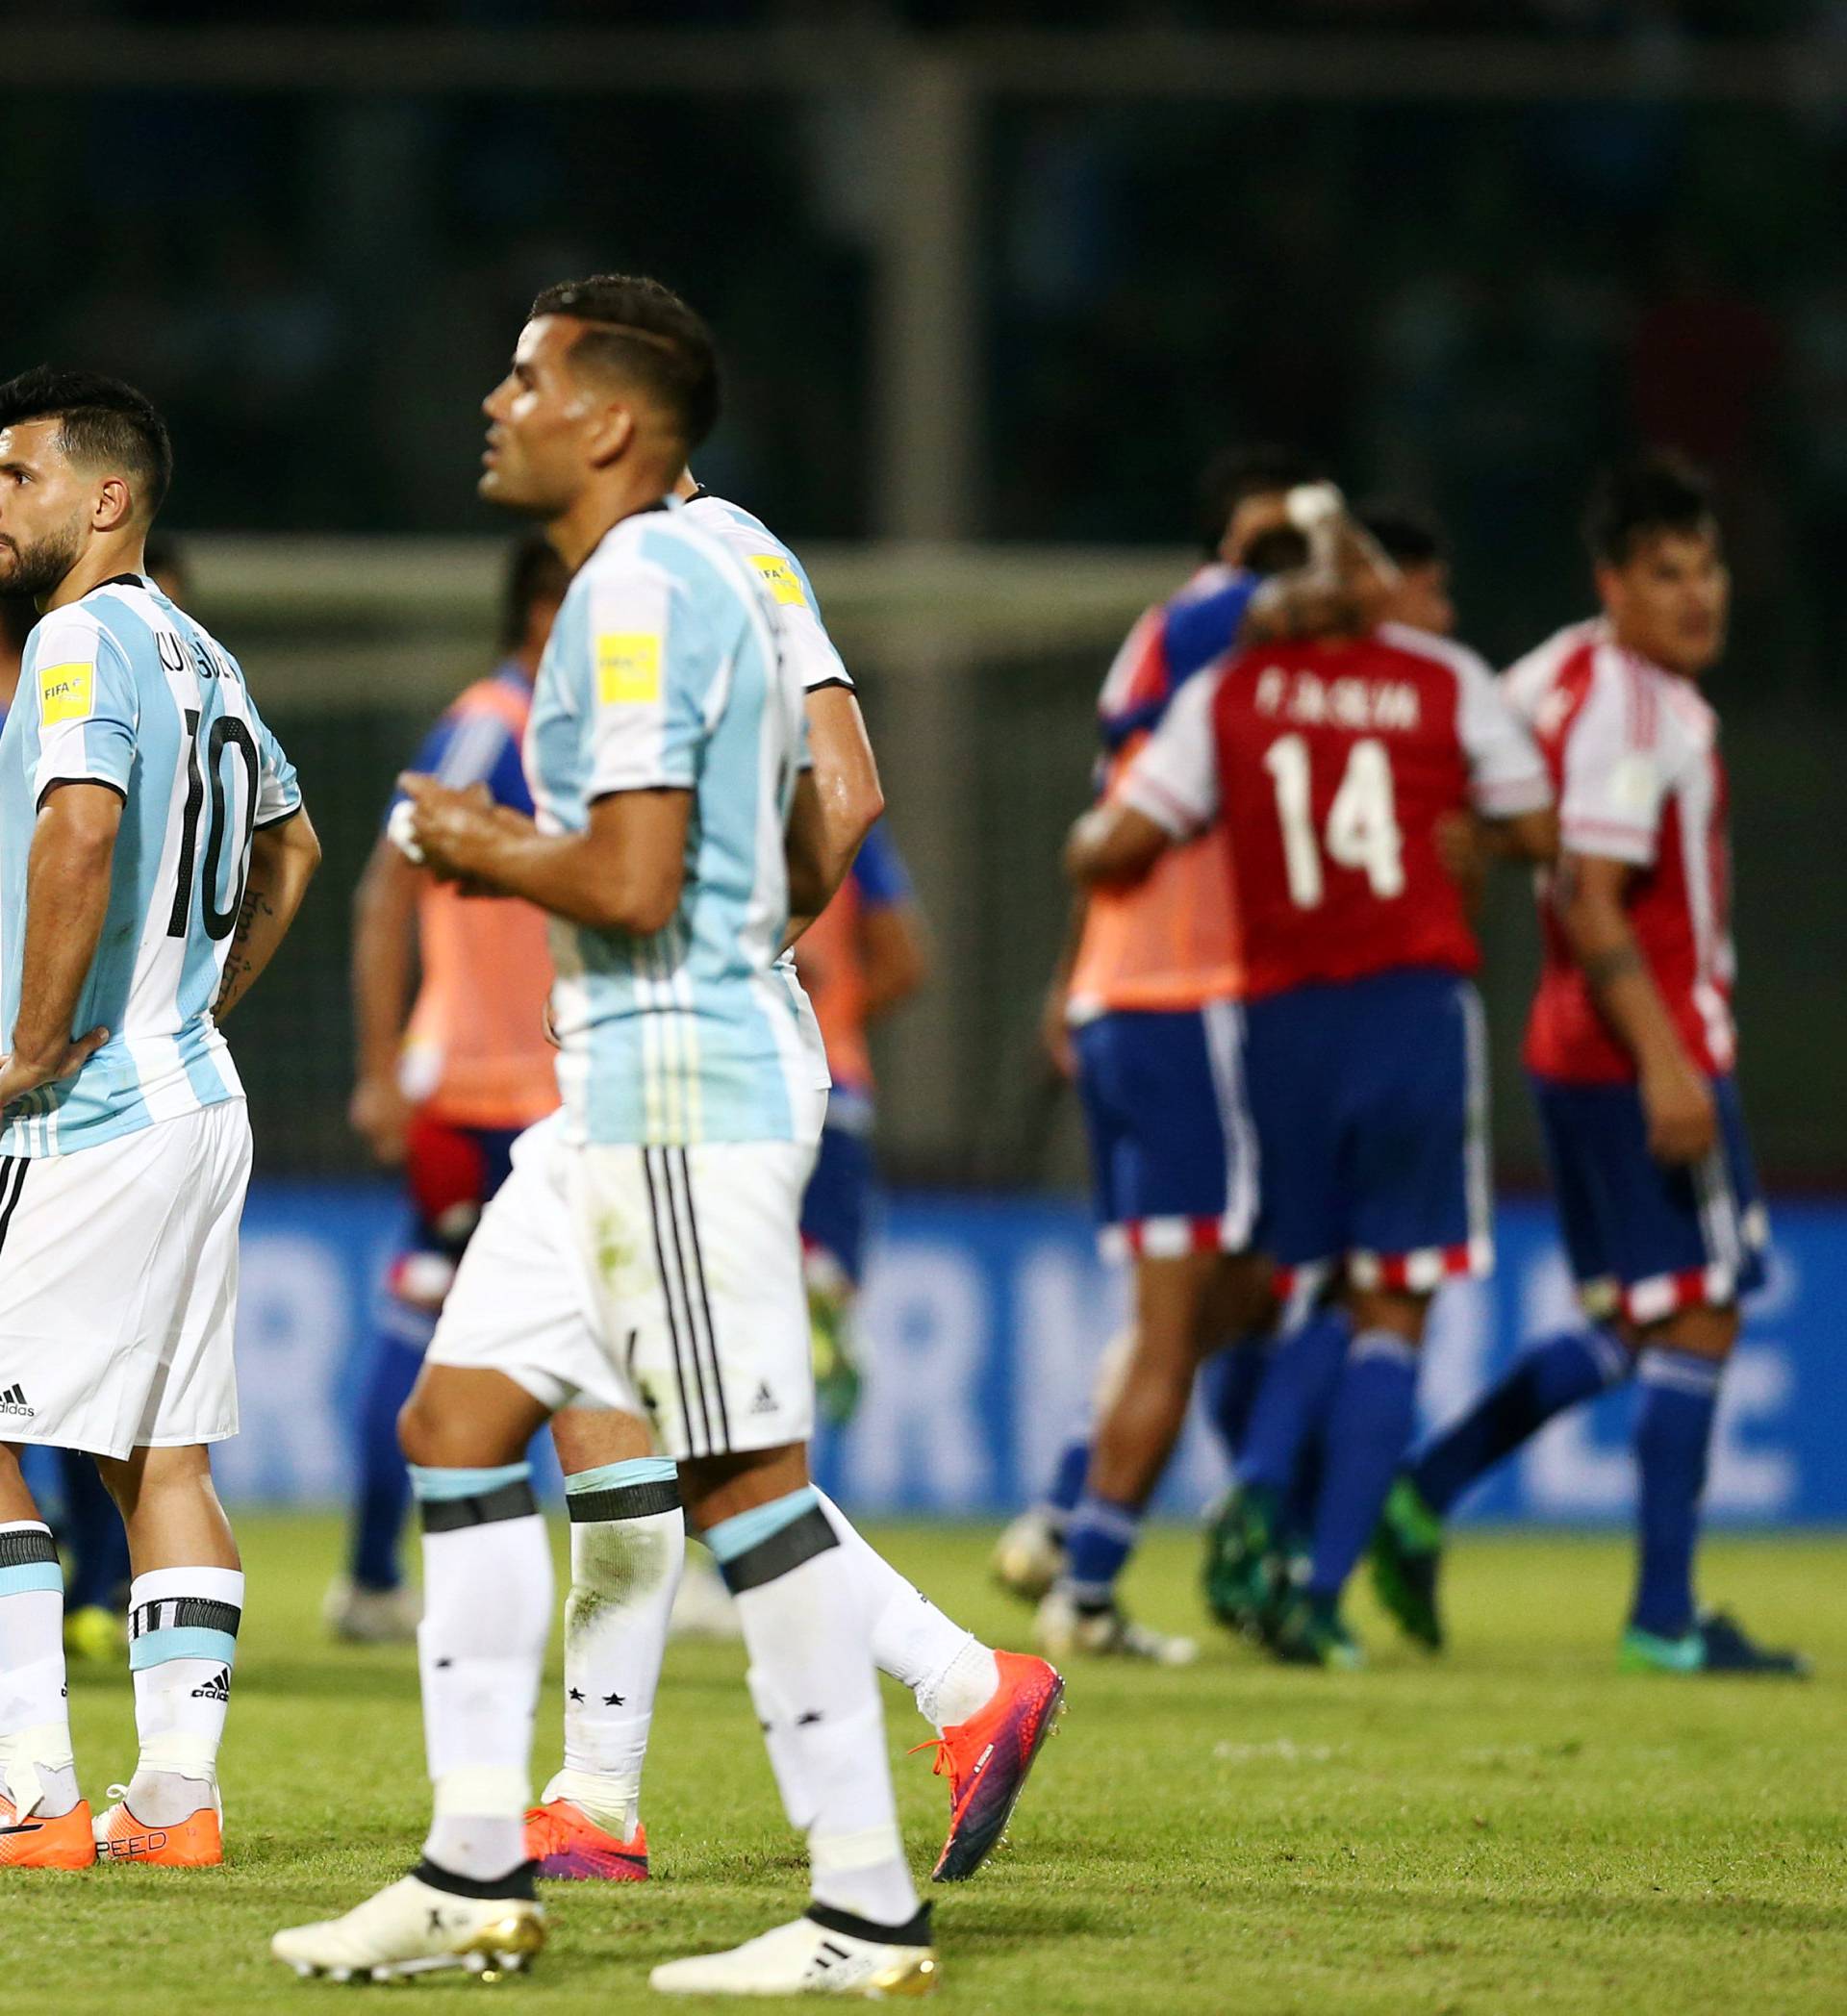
x: 153, y: 853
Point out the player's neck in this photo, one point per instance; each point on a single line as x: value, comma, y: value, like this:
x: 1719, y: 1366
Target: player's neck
x: 115, y: 553
x: 599, y: 508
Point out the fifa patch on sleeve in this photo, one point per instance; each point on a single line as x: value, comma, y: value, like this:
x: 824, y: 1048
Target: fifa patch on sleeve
x: 628, y: 667
x: 66, y: 693
x: 779, y: 578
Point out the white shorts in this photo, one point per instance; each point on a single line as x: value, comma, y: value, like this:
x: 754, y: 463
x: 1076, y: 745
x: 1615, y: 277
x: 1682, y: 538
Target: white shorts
x: 663, y: 1281
x: 118, y: 1287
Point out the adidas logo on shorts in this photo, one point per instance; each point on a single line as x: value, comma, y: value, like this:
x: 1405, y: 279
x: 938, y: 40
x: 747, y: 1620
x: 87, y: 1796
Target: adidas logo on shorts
x: 765, y: 1401
x: 216, y: 1688
x: 14, y: 1402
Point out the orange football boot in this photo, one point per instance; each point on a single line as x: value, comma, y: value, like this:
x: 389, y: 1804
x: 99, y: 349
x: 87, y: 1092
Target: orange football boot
x: 64, y: 1843
x: 569, y: 1847
x: 194, y: 1843
x: 986, y: 1759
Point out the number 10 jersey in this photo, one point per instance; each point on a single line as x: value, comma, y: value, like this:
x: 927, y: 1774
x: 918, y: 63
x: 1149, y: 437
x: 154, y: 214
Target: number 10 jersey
x: 124, y: 690
x: 1330, y: 767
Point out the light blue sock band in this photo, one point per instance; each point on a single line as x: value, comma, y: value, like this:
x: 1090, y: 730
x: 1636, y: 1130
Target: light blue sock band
x: 31, y: 1574
x: 438, y: 1484
x: 613, y: 1476
x: 732, y: 1537
x: 186, y: 1642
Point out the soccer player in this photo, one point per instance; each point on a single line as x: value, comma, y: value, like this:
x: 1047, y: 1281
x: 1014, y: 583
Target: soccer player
x: 990, y: 1709
x: 155, y: 852
x: 1411, y: 538
x: 644, y: 1251
x: 447, y: 1082
x: 1631, y: 1049
x: 1328, y: 768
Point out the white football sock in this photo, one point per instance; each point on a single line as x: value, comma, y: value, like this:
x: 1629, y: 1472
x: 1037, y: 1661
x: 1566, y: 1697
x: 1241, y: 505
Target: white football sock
x: 627, y: 1549
x: 487, y: 1610
x: 182, y: 1647
x: 949, y: 1671
x: 816, y: 1691
x: 36, y: 1766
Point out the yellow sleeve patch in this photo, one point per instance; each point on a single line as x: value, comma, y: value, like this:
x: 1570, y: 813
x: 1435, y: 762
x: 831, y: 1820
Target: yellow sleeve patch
x: 66, y: 693
x: 628, y: 667
x: 779, y: 578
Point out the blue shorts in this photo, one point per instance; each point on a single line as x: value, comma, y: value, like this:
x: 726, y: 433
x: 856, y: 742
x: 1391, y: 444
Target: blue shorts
x: 1644, y: 1239
x: 838, y: 1202
x: 1371, y: 1103
x: 1172, y: 1147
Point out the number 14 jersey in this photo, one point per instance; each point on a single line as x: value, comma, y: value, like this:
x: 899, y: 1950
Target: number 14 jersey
x: 1330, y: 766
x: 123, y: 689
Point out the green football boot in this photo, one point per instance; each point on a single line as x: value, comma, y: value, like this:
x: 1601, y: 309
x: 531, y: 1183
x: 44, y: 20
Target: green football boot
x: 1311, y: 1633
x: 1245, y: 1569
x: 1406, y: 1552
x: 1715, y: 1645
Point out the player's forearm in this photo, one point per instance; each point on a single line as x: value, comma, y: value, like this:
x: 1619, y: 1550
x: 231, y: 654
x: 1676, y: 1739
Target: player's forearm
x: 1113, y: 843
x: 67, y: 882
x: 384, y: 935
x: 283, y: 860
x: 850, y: 798
x: 573, y: 875
x: 1612, y: 961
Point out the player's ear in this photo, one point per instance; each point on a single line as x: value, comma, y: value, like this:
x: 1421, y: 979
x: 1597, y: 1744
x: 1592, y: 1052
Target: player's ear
x: 114, y: 506
x: 611, y: 430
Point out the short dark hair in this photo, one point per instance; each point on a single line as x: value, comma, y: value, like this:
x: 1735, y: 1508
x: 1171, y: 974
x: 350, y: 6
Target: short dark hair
x: 103, y: 422
x: 1234, y: 475
x: 645, y: 331
x: 534, y: 573
x: 1658, y: 492
x: 1411, y: 535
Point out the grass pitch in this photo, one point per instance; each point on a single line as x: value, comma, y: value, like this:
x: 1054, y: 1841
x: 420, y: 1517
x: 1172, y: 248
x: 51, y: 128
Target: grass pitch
x: 1513, y: 1828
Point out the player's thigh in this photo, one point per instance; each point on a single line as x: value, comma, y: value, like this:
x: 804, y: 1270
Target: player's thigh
x: 1414, y: 1151
x: 522, y: 1303
x: 95, y: 1247
x: 697, y: 1257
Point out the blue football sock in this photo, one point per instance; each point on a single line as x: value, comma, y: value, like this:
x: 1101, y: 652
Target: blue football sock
x: 1550, y: 1375
x: 94, y: 1536
x: 383, y: 1493
x: 1229, y: 1382
x: 1067, y: 1477
x: 1673, y: 1432
x: 1099, y: 1541
x: 1369, y: 1426
x: 1295, y: 1395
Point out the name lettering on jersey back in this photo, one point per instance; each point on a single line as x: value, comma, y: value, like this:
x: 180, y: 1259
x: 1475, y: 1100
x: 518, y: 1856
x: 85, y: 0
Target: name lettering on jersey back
x: 175, y: 650
x: 1368, y: 706
x: 66, y: 693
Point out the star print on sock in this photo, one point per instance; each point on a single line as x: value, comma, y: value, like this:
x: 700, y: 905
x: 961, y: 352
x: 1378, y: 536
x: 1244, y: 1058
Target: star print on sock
x: 576, y: 1694
x: 615, y: 1700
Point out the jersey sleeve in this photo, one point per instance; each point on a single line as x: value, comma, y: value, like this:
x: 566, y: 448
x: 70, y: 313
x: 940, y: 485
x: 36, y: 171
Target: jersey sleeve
x: 278, y: 791
x: 1175, y: 778
x: 1506, y: 772
x: 803, y: 635
x: 1610, y: 801
x: 88, y: 711
x: 879, y: 873
x: 651, y: 672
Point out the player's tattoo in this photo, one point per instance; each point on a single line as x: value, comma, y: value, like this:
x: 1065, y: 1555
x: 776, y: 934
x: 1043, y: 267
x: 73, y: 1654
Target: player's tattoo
x: 240, y: 968
x: 1602, y: 968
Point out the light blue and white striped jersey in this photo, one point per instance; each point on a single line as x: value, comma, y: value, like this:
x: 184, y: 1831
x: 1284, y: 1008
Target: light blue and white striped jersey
x: 123, y: 689
x: 663, y: 671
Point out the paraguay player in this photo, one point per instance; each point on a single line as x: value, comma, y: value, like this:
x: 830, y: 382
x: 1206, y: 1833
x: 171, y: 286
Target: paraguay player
x: 447, y: 1081
x: 1632, y: 1049
x: 155, y: 852
x: 1328, y: 768
x: 644, y: 1251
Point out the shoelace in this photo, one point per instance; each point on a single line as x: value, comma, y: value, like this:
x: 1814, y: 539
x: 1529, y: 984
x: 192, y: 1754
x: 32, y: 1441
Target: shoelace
x: 945, y: 1765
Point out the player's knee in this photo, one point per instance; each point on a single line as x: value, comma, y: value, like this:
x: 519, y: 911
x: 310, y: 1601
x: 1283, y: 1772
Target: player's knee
x: 1700, y: 1332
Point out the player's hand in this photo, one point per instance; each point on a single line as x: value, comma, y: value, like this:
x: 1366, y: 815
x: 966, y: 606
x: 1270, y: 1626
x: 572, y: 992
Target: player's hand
x: 1054, y: 1034
x: 447, y: 825
x: 1682, y: 1121
x: 20, y: 1074
x: 381, y: 1115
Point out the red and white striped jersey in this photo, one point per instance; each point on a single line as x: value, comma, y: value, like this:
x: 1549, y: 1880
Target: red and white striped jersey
x: 1633, y: 752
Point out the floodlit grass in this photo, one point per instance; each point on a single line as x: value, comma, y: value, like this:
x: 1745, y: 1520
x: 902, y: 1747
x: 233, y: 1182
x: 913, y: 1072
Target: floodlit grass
x: 1514, y: 1827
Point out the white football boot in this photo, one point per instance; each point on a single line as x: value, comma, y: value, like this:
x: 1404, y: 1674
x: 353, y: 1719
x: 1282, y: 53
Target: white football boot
x: 702, y: 1605
x: 812, y: 1956
x: 413, y: 1928
x: 1028, y: 1556
x: 1064, y: 1631
x: 360, y: 1616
